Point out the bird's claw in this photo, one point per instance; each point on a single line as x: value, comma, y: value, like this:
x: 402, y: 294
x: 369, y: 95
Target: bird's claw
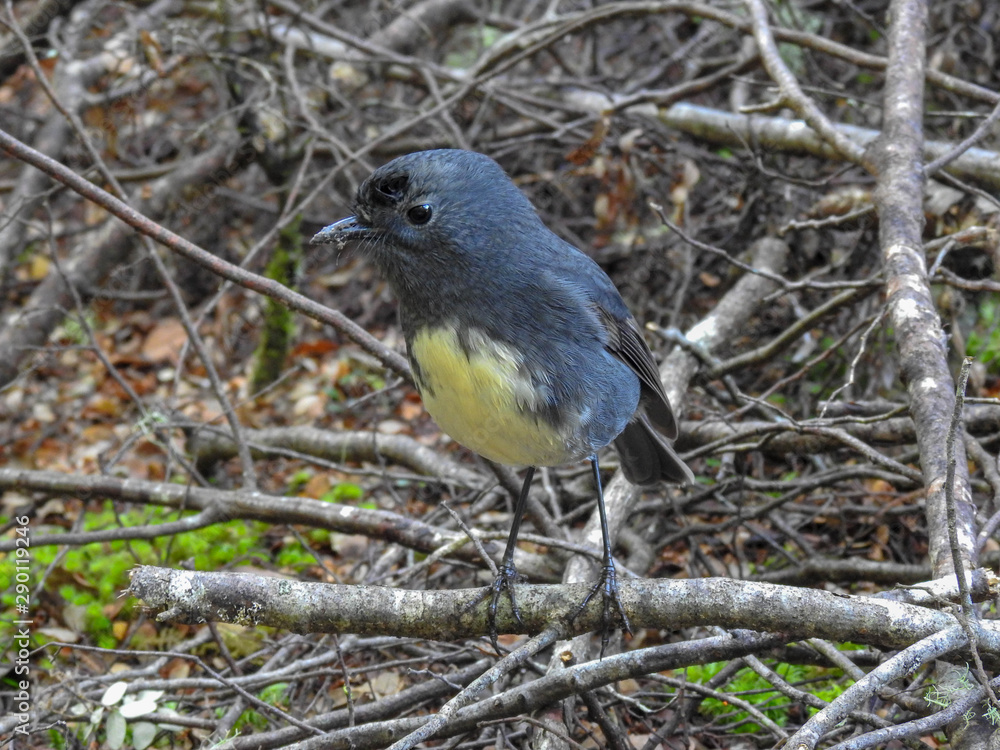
x: 506, y: 577
x: 607, y: 584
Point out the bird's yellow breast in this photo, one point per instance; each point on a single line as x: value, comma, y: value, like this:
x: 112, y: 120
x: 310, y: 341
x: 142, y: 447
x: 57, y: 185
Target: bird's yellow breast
x: 482, y: 396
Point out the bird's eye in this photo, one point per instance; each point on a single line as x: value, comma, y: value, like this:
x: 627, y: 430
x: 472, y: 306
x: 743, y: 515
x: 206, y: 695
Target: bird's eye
x: 419, y: 214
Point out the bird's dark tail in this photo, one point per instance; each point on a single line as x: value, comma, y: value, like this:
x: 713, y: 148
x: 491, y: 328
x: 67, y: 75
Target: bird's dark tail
x: 647, y: 457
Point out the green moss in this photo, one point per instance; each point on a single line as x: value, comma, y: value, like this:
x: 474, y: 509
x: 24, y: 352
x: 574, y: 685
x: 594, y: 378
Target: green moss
x: 91, y: 577
x: 343, y: 493
x: 984, y: 338
x: 750, y: 687
x: 279, y: 322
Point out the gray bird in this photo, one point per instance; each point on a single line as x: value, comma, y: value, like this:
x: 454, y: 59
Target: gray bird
x: 521, y: 347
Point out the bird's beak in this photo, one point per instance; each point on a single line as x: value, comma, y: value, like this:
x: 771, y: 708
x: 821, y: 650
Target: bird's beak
x: 341, y: 232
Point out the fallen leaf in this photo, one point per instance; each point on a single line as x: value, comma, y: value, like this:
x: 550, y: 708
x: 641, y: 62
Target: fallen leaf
x: 164, y: 342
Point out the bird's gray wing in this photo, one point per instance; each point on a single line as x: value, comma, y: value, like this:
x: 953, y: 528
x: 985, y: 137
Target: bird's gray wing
x: 625, y: 342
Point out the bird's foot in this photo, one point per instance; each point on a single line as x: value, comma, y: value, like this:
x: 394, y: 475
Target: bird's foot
x: 607, y: 585
x: 505, y: 580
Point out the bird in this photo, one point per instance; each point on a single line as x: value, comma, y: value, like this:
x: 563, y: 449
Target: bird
x: 520, y: 346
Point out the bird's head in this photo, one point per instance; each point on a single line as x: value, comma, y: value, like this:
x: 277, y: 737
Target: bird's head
x: 440, y: 210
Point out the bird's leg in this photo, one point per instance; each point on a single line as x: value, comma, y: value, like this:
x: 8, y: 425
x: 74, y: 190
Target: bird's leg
x: 607, y: 584
x: 507, y: 573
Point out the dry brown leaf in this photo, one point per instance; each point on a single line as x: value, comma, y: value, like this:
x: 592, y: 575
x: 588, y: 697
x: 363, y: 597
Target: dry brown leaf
x: 164, y: 342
